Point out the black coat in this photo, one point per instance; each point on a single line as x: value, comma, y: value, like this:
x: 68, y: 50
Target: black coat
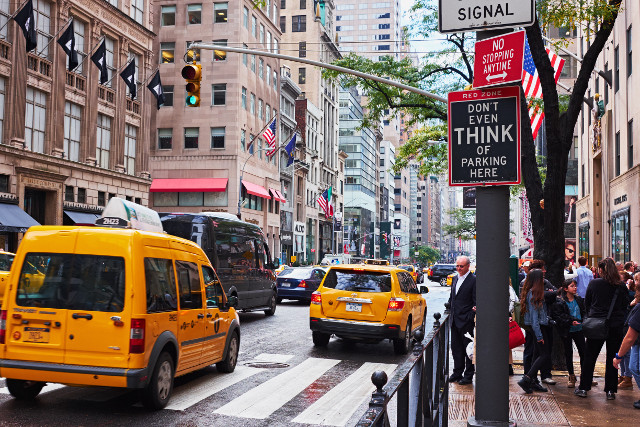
x: 462, y: 303
x: 561, y: 315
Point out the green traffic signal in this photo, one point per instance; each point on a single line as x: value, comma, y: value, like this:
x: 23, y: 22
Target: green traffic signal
x: 192, y: 73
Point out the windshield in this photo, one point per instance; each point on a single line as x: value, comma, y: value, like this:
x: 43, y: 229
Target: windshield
x: 72, y: 281
x: 296, y: 273
x: 358, y: 281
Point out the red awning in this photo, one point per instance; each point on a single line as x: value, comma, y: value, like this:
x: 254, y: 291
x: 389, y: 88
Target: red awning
x: 276, y: 195
x: 282, y: 199
x: 256, y: 190
x: 175, y: 185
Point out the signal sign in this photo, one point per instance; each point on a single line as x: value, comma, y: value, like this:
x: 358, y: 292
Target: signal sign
x: 192, y: 73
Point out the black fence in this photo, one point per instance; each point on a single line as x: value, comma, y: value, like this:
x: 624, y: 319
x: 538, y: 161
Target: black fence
x: 420, y: 383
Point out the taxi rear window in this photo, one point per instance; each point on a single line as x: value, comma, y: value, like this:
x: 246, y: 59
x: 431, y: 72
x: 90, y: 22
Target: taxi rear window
x: 406, y: 267
x: 72, y: 281
x: 358, y: 281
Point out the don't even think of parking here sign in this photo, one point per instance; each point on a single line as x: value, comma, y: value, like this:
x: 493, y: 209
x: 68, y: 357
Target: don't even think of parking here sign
x: 484, y: 137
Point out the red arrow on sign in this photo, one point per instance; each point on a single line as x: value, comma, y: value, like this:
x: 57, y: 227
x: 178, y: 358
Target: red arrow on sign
x: 498, y: 60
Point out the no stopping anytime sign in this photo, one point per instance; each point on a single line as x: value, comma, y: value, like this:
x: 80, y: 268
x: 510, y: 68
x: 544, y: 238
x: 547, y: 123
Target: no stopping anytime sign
x: 484, y: 137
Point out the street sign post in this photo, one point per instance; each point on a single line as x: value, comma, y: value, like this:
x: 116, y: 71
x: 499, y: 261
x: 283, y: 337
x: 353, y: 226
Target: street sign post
x: 484, y: 137
x: 498, y: 60
x: 475, y: 15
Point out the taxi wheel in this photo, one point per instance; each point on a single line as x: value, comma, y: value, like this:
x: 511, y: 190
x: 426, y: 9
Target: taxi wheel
x: 273, y: 303
x: 24, y: 390
x: 320, y: 339
x: 156, y: 395
x: 401, y: 345
x: 443, y: 281
x: 229, y: 363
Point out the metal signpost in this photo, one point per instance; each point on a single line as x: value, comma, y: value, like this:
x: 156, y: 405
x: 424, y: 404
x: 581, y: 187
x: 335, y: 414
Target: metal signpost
x: 498, y: 60
x: 474, y: 15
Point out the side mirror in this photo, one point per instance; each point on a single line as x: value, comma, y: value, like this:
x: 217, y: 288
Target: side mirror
x: 424, y: 290
x: 232, y: 301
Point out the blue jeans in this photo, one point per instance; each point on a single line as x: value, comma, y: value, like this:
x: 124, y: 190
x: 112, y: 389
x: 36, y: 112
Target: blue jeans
x: 634, y: 363
x: 624, y: 366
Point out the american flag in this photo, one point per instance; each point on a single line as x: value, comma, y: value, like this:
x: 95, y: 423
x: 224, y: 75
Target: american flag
x: 531, y: 83
x: 270, y: 136
x: 324, y: 200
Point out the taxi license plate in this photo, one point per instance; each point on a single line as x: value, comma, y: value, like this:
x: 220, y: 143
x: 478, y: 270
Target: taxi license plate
x: 39, y: 335
x: 352, y: 306
x: 285, y: 284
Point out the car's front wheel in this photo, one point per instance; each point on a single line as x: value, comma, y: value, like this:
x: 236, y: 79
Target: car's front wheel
x: 320, y: 339
x: 443, y: 281
x: 24, y: 390
x: 229, y: 363
x: 401, y: 345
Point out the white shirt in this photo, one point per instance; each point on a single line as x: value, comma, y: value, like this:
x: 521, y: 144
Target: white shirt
x: 461, y: 280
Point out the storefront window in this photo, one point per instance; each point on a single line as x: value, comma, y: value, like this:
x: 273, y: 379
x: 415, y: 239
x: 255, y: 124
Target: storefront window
x: 583, y: 239
x: 620, y: 235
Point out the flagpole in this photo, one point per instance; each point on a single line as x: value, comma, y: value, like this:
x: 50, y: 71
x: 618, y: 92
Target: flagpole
x: 118, y: 72
x: 55, y: 36
x: 150, y: 76
x: 90, y: 52
x: 13, y: 16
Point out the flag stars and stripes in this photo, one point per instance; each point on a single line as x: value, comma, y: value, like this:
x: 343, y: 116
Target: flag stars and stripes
x: 270, y: 137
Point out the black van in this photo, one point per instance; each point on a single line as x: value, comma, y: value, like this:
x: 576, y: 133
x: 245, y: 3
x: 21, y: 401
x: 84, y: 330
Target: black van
x: 237, y: 250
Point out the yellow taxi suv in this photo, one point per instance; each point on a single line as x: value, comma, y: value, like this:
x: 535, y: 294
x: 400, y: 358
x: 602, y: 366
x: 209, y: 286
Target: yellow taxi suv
x: 117, y: 307
x: 411, y: 269
x: 6, y: 259
x: 368, y: 303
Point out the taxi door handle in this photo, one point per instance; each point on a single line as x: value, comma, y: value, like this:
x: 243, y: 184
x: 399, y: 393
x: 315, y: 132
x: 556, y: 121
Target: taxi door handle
x: 200, y: 316
x: 209, y: 315
x: 82, y: 316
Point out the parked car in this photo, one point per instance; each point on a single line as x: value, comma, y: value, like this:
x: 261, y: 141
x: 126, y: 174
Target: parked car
x: 298, y: 283
x: 368, y: 303
x: 439, y: 273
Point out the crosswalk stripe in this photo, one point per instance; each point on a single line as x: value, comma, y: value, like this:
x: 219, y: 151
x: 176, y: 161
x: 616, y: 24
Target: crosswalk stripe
x: 269, y: 396
x: 197, y: 390
x: 275, y: 358
x: 47, y: 388
x: 338, y: 405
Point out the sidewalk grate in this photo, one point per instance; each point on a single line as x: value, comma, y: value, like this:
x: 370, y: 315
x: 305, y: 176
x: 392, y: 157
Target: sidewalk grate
x: 535, y: 409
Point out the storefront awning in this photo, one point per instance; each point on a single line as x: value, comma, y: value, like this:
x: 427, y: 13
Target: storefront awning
x: 14, y: 220
x: 82, y: 218
x: 282, y: 199
x: 176, y: 185
x: 276, y: 195
x: 256, y: 190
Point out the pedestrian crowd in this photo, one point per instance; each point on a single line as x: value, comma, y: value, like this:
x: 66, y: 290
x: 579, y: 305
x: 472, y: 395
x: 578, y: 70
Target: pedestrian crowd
x: 592, y: 308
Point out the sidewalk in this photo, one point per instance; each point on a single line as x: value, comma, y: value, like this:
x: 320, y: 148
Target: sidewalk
x: 558, y: 407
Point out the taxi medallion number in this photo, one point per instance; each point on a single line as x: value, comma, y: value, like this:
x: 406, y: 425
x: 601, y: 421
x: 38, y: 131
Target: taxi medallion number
x: 352, y: 306
x: 39, y: 335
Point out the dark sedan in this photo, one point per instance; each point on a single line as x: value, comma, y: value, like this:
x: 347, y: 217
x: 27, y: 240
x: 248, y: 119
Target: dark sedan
x: 299, y: 283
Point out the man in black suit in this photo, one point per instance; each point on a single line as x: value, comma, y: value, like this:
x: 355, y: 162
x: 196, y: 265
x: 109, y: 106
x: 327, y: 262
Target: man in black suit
x: 463, y: 310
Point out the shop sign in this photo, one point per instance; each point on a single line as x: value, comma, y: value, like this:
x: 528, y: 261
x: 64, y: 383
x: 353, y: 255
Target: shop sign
x: 620, y: 199
x: 298, y: 227
x: 286, y: 237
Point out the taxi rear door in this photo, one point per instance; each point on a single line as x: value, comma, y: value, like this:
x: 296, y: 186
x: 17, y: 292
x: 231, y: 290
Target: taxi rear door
x: 217, y: 316
x: 191, y: 323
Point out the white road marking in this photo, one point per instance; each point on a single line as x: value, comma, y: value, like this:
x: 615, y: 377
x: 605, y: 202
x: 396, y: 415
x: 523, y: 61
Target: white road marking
x: 47, y: 388
x: 275, y: 358
x: 338, y: 405
x: 194, y: 391
x: 269, y: 396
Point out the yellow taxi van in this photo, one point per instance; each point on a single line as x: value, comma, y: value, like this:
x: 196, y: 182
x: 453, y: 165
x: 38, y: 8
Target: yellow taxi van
x: 117, y: 307
x: 370, y: 303
x: 6, y: 259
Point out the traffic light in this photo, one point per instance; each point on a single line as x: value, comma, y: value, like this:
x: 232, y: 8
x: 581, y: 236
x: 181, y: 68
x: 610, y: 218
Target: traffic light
x: 192, y: 73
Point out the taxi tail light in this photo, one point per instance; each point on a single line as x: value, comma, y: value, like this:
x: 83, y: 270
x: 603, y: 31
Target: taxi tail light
x: 302, y: 284
x: 136, y: 339
x: 3, y: 326
x: 395, y: 304
x: 316, y: 298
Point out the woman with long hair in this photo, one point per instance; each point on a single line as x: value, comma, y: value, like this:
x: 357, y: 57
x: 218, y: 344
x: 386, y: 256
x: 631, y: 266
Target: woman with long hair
x: 535, y: 312
x: 604, y: 294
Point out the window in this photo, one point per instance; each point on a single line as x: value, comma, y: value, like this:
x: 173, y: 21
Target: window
x: 168, y: 95
x: 217, y: 137
x: 254, y: 26
x: 193, y: 53
x: 101, y: 198
x: 617, y: 154
x: 243, y: 98
x: 103, y: 141
x: 68, y: 194
x: 243, y: 139
x: 250, y: 146
x: 299, y: 23
x: 616, y: 69
x: 35, y: 119
x: 268, y: 75
x: 167, y: 15
x: 130, y: 137
x: 283, y: 4
x: 165, y: 139
x: 630, y: 144
x: 620, y: 235
x: 302, y: 75
x: 2, y: 93
x: 629, y: 55
x: 191, y: 137
x: 109, y: 45
x: 194, y: 14
x: 275, y: 80
x: 72, y: 120
x: 4, y: 17
x: 302, y: 49
x: 42, y: 15
x: 261, y: 39
x: 137, y: 10
x: 161, y: 285
x: 269, y: 48
x: 283, y: 24
x: 167, y: 52
x: 260, y: 110
x: 220, y: 12
x: 189, y: 285
x: 381, y: 27
x: 261, y: 68
x: 219, y: 94
x: 253, y: 63
x: 382, y: 16
x: 220, y: 55
x: 303, y: 4
x: 78, y: 30
x: 252, y: 105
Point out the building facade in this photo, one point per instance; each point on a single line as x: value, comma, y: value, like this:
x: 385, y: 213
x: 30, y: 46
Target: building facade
x: 68, y: 143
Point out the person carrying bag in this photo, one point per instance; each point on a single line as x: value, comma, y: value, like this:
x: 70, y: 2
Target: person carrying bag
x: 596, y: 328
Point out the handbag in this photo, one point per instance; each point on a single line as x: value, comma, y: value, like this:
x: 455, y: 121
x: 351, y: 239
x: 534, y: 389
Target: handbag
x: 596, y: 328
x: 516, y: 337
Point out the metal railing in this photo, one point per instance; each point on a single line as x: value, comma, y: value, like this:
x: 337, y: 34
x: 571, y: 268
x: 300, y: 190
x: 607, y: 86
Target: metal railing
x: 420, y: 384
